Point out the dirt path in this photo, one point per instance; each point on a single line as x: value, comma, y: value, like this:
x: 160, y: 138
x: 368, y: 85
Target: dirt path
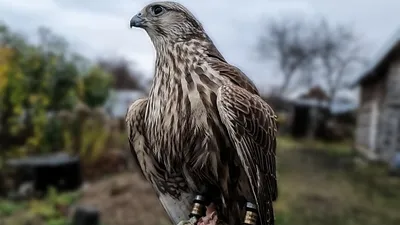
x: 125, y: 199
x: 314, y: 188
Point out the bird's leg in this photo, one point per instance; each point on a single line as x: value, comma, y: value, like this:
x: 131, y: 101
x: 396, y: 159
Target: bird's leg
x: 204, y: 211
x: 197, y: 212
x: 211, y: 217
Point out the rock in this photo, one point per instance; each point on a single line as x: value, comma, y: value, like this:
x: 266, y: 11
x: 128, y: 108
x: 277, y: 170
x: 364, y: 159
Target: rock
x: 26, y: 190
x: 85, y: 215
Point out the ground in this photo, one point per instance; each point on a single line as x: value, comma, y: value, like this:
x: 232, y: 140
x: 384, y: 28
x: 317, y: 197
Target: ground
x: 325, y: 186
x: 318, y: 185
x: 125, y: 199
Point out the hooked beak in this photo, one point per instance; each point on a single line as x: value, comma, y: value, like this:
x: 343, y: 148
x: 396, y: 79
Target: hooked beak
x: 137, y: 21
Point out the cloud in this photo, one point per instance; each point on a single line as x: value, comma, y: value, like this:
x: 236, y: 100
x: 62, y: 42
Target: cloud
x: 99, y: 28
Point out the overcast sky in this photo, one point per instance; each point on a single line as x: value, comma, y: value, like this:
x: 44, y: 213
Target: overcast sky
x: 101, y: 27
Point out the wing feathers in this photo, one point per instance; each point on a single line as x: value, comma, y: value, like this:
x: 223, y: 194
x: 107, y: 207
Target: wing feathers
x: 134, y: 124
x: 171, y: 191
x: 234, y: 74
x: 251, y: 125
x: 177, y: 209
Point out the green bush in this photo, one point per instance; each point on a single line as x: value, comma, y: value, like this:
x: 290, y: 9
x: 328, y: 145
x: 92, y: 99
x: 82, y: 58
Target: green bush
x: 7, y: 208
x: 38, y: 81
x: 93, y: 128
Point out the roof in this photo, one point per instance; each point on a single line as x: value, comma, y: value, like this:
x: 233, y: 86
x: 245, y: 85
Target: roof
x: 45, y: 160
x: 313, y: 97
x: 317, y: 97
x: 316, y: 93
x: 311, y: 103
x: 380, y: 57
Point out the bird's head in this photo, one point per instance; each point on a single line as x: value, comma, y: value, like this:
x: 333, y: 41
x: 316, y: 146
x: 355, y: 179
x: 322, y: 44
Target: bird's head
x: 167, y: 21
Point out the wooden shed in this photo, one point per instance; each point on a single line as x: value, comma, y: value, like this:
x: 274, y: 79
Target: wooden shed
x: 308, y: 112
x: 377, y: 135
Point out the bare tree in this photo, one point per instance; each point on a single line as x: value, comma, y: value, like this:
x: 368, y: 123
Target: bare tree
x: 339, y: 56
x: 307, y: 52
x: 125, y: 78
x: 285, y: 42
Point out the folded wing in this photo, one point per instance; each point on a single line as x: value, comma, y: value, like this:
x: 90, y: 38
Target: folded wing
x: 251, y: 124
x: 171, y: 190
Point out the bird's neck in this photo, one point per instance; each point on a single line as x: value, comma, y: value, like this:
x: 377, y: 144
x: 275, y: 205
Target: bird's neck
x: 169, y: 94
x: 173, y: 63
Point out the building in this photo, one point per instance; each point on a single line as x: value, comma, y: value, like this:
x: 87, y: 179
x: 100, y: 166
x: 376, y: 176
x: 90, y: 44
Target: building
x: 301, y: 114
x: 308, y: 113
x: 377, y: 135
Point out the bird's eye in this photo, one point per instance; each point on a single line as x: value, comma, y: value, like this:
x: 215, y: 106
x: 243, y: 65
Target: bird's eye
x: 157, y: 10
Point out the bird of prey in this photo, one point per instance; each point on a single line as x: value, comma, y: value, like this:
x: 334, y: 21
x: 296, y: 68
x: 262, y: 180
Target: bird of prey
x: 203, y: 129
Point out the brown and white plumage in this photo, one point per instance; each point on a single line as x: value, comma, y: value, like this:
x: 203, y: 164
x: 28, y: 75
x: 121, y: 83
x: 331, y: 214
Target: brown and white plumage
x: 203, y: 124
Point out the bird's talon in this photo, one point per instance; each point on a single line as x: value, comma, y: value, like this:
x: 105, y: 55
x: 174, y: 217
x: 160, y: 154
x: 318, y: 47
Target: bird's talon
x: 186, y: 222
x: 209, y: 219
x: 212, y: 215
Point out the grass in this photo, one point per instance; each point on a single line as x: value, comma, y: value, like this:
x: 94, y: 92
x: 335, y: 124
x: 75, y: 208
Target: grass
x: 52, y: 210
x: 319, y: 185
x: 334, y: 148
x: 7, y: 208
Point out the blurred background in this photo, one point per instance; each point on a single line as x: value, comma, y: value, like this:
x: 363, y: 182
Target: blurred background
x: 69, y: 70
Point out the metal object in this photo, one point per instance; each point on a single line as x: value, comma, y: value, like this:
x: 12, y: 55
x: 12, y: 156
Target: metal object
x: 251, y: 215
x: 85, y: 215
x: 199, y: 209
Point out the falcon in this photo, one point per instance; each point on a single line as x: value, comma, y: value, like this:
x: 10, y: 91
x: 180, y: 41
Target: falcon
x: 203, y: 129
